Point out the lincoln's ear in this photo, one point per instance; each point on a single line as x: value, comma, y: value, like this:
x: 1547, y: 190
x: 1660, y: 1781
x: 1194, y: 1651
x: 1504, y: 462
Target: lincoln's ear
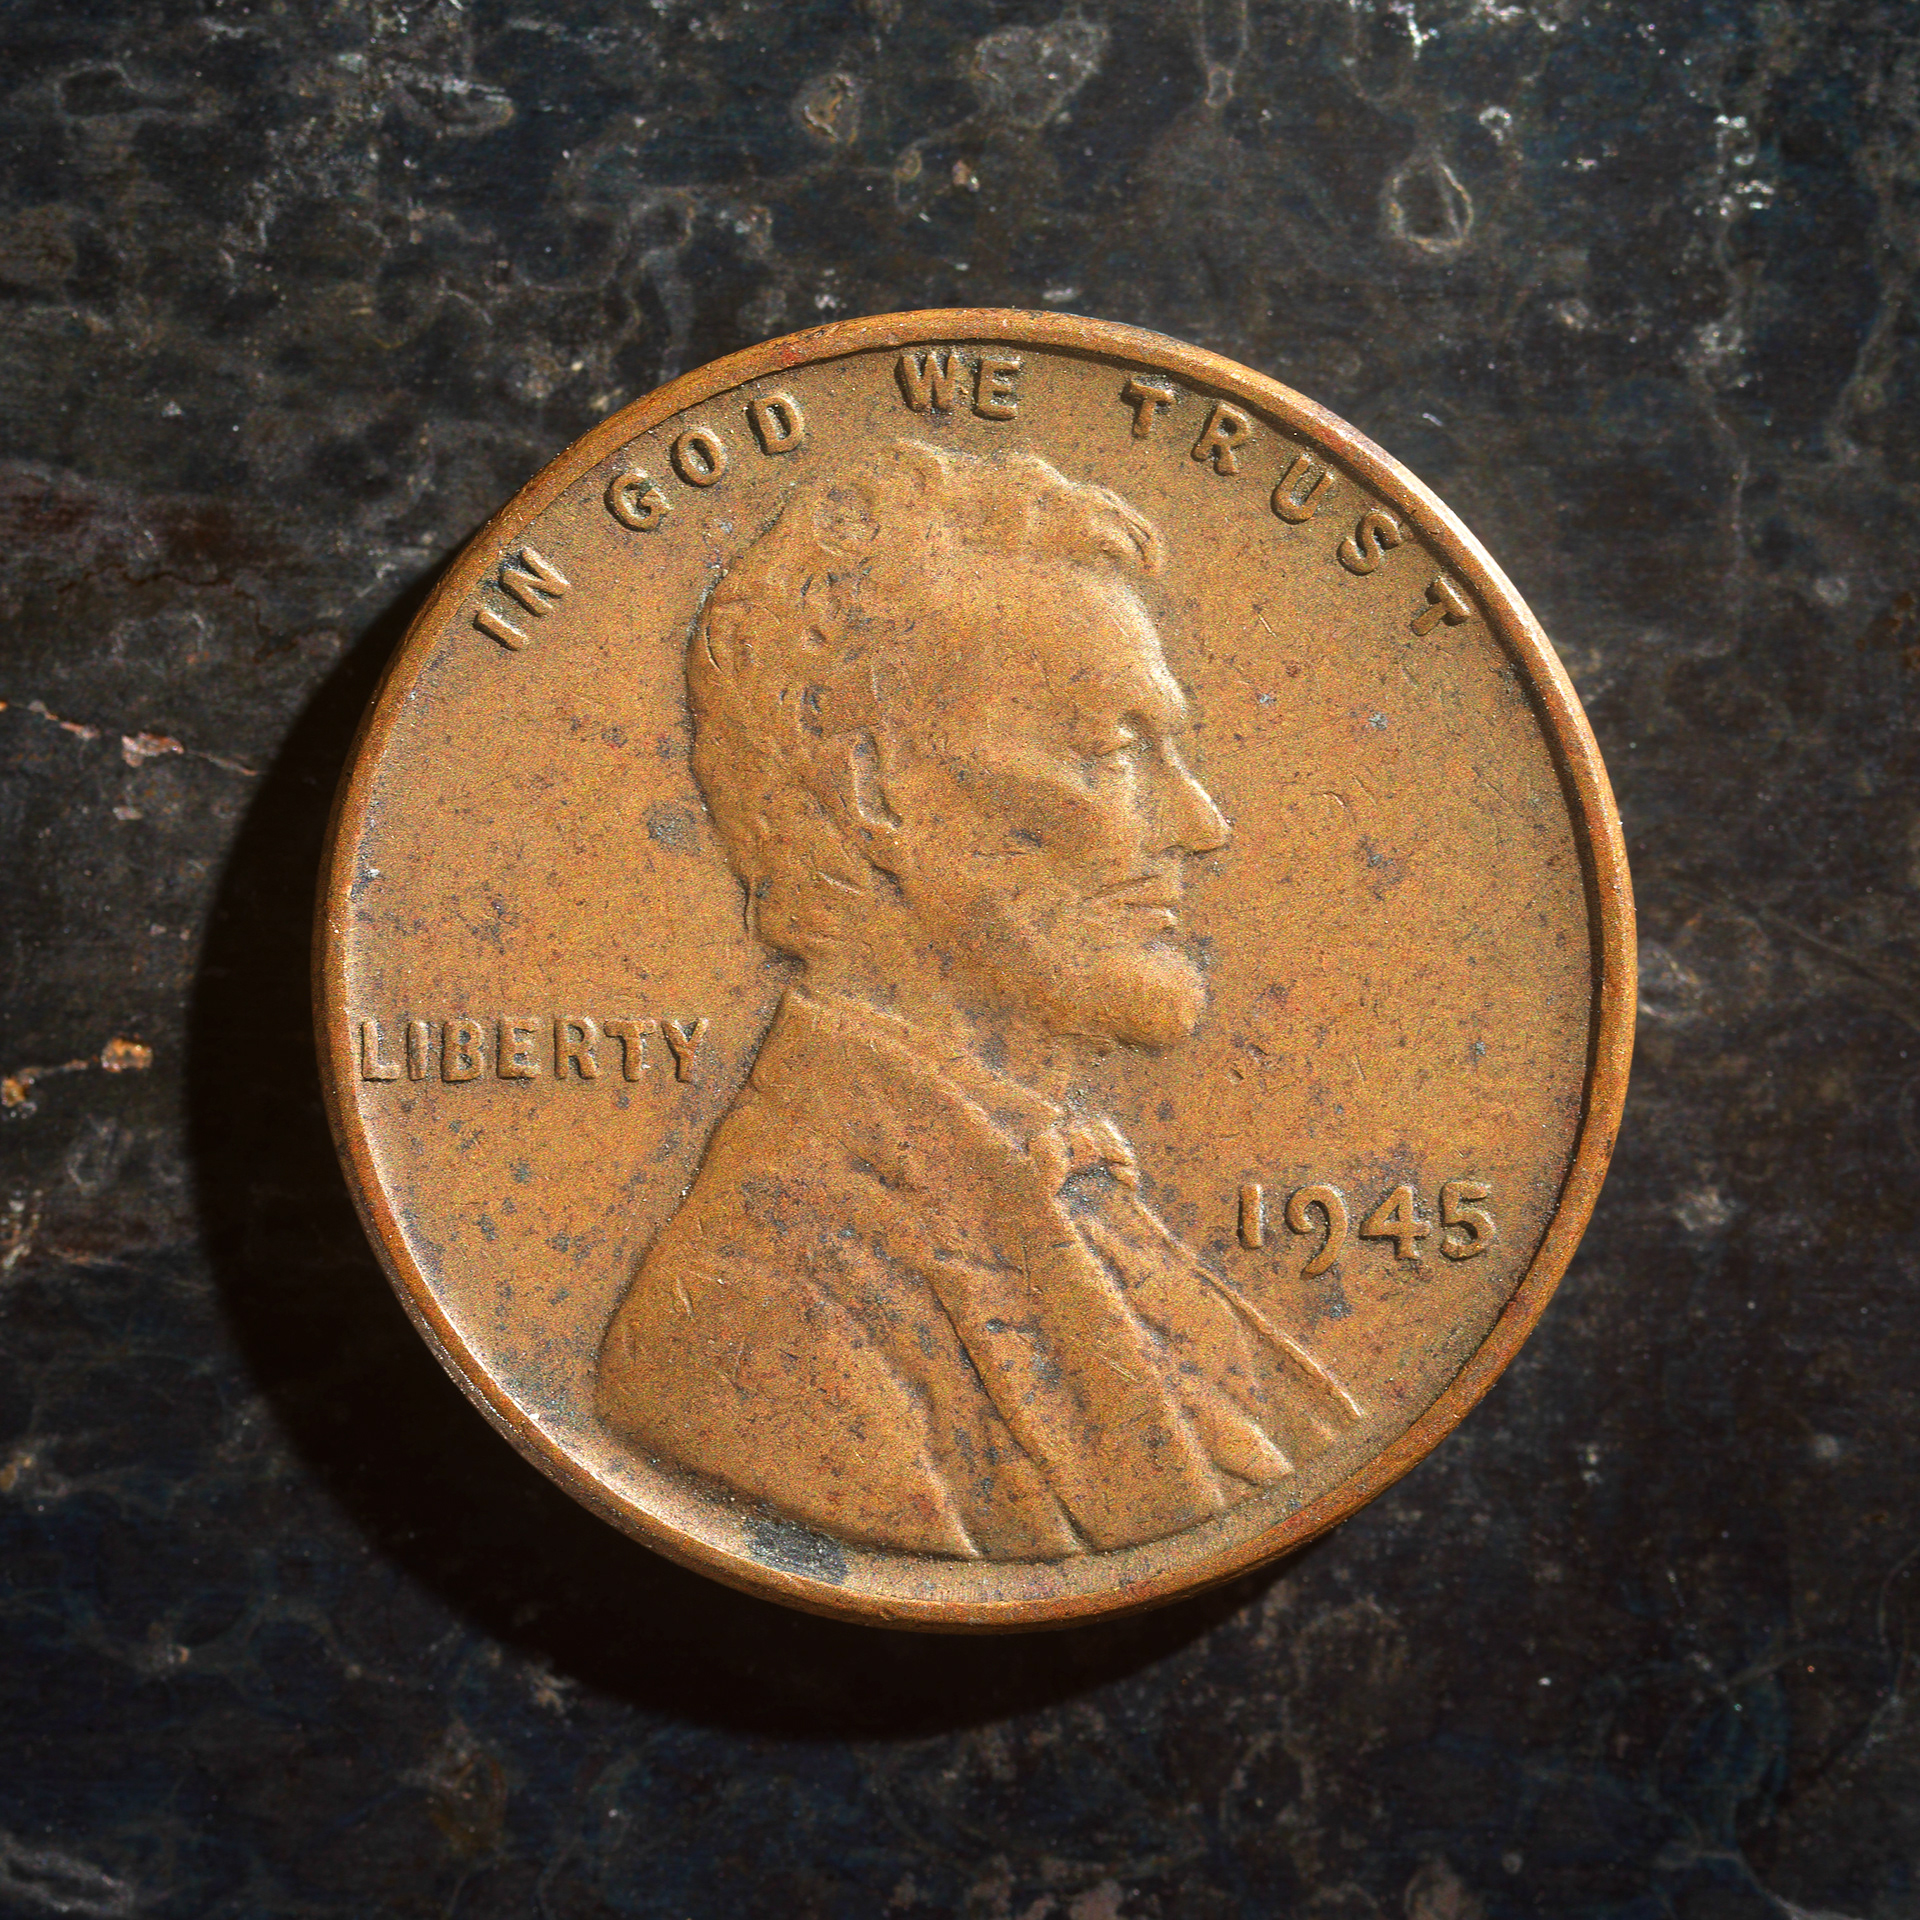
x: 859, y: 799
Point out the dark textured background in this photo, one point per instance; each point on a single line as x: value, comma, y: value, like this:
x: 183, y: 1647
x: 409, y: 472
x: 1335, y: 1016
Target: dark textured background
x: 294, y: 293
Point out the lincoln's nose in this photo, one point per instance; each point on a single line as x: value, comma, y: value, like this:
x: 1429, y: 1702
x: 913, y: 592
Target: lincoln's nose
x: 1196, y: 824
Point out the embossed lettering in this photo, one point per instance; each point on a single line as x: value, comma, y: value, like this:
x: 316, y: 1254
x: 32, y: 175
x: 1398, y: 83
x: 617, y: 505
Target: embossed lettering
x: 1253, y: 1217
x: 1300, y: 1206
x: 519, y: 1048
x: 634, y: 500
x: 460, y: 1050
x: 1148, y: 399
x: 632, y: 1035
x: 778, y: 423
x: 699, y: 457
x: 372, y: 1067
x: 685, y: 1043
x: 930, y: 379
x: 1397, y: 1218
x: 575, y: 1035
x: 514, y: 1058
x: 1474, y: 1225
x: 1306, y: 484
x: 504, y: 631
x: 1367, y: 545
x: 1446, y: 602
x: 993, y: 394
x: 536, y: 583
x: 1227, y: 428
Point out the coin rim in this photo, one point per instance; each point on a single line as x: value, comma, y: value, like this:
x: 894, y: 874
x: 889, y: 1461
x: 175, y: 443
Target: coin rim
x: 1577, y: 759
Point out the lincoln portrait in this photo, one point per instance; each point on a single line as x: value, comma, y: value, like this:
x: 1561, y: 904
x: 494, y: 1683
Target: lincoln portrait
x: 917, y: 1297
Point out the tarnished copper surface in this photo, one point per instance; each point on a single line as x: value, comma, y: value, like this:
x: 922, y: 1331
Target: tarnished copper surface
x: 976, y: 969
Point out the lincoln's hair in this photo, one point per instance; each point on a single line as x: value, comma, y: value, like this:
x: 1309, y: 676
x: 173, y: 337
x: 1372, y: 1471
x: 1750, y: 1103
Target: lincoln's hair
x: 829, y: 626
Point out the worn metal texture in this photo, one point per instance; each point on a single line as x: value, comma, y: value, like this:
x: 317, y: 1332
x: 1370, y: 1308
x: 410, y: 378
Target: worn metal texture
x: 293, y: 297
x: 883, y: 755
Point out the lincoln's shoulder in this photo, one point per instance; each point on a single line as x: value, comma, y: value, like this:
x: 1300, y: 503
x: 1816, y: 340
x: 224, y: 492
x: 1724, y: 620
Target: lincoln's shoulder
x: 777, y: 1178
x: 848, y: 1173
x: 782, y: 1220
x: 744, y: 1348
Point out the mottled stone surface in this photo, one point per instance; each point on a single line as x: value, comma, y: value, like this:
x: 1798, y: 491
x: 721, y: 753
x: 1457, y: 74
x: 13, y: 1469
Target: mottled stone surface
x: 294, y: 294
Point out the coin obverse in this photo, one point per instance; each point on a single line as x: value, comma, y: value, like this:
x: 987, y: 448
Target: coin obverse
x: 975, y: 969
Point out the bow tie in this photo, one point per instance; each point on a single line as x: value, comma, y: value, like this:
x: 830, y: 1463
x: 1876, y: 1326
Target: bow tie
x: 1069, y: 1147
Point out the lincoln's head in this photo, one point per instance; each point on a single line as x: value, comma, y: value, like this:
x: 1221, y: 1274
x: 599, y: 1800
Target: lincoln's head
x: 936, y: 730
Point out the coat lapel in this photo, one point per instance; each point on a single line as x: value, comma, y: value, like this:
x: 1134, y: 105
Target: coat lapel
x: 1080, y: 1381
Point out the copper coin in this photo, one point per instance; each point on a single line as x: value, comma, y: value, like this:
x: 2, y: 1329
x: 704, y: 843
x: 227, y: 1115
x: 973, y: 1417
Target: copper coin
x: 976, y: 969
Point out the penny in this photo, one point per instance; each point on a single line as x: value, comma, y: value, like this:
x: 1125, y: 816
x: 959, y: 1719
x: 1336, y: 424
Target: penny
x: 976, y: 969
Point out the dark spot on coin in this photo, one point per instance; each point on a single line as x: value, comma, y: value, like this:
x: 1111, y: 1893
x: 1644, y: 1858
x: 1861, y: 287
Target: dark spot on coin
x: 792, y: 1549
x: 671, y: 827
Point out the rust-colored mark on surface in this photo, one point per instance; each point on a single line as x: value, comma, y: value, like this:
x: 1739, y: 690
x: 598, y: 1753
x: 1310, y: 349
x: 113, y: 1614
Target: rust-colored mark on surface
x: 117, y: 1056
x: 1897, y: 626
x: 16, y: 1088
x: 136, y: 749
x: 78, y: 729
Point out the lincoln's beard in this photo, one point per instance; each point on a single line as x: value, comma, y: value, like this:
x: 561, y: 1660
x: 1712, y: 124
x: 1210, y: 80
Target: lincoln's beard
x: 1091, y: 985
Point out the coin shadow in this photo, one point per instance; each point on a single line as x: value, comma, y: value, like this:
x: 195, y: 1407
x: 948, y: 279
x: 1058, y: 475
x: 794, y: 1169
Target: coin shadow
x: 388, y: 1440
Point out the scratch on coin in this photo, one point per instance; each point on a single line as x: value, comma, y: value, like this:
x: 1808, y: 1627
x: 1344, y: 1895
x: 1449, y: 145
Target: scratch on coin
x: 1480, y: 774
